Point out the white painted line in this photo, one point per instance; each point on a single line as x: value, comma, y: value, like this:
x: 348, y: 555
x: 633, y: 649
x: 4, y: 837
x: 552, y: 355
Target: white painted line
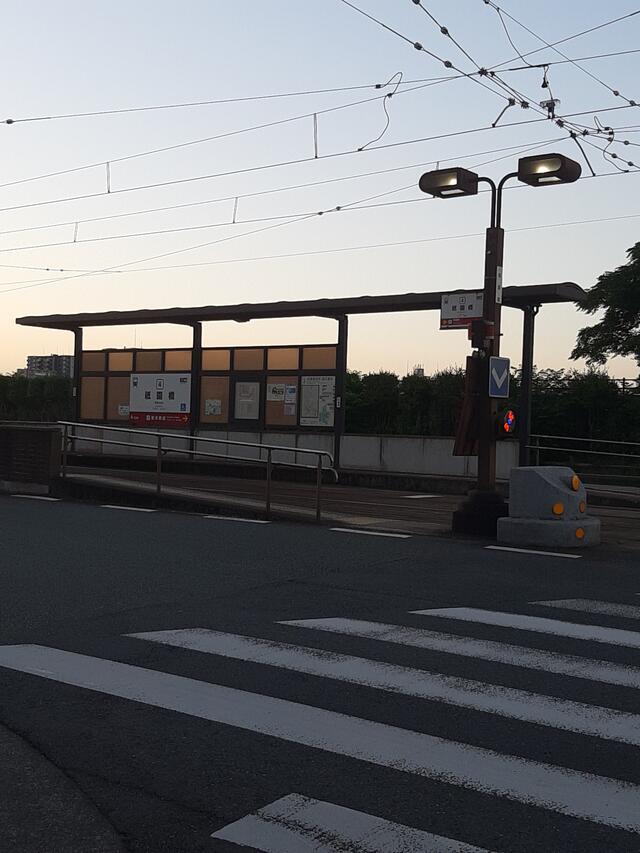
x: 451, y: 644
x: 606, y: 608
x: 570, y: 792
x: 418, y: 497
x: 128, y: 508
x: 493, y: 699
x: 531, y: 551
x: 297, y: 824
x: 232, y: 518
x: 370, y: 532
x: 36, y: 497
x: 595, y: 633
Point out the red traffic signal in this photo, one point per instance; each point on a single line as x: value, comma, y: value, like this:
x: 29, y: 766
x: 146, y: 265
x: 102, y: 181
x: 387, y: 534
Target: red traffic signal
x: 507, y: 423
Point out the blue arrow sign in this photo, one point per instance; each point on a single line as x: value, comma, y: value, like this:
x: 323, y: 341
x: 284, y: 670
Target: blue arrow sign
x: 499, y: 377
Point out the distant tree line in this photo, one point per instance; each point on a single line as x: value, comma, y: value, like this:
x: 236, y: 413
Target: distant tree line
x: 564, y: 402
x: 41, y: 398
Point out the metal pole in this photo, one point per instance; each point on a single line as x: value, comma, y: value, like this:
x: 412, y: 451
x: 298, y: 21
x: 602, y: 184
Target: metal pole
x: 159, y: 466
x: 528, y: 328
x: 341, y: 375
x: 319, y: 488
x: 64, y: 450
x: 268, y: 496
x: 77, y: 369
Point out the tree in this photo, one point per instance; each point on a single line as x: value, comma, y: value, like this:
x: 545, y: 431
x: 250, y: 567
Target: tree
x: 618, y: 332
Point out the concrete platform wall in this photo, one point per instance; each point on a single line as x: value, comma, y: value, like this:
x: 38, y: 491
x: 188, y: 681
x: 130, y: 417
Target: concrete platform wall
x: 383, y: 453
x: 418, y: 455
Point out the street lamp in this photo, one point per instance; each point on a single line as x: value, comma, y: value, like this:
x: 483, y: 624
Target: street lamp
x: 479, y: 513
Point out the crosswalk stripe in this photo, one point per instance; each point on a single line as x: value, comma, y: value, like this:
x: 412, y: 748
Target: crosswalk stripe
x: 520, y: 656
x: 37, y: 498
x: 298, y: 824
x: 595, y: 633
x: 606, y: 608
x: 570, y: 792
x: 505, y: 701
x: 127, y: 508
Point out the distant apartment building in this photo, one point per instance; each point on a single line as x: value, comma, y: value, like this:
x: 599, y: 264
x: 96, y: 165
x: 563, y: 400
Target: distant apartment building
x: 49, y: 365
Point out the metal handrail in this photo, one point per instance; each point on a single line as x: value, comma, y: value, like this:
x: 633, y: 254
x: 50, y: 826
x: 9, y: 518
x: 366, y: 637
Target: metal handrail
x: 590, y: 440
x: 69, y: 439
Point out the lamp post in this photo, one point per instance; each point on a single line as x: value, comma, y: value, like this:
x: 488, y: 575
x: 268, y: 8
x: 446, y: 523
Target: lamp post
x: 478, y: 514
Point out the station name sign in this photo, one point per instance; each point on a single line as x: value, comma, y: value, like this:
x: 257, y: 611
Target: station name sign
x: 458, y: 310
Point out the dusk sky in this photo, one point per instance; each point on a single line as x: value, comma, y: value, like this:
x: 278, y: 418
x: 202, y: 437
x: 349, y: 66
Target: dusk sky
x: 72, y: 57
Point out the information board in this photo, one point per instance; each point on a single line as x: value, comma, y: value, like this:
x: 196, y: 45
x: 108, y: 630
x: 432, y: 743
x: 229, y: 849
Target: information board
x: 317, y: 401
x: 160, y: 399
x: 247, y: 403
x: 457, y: 310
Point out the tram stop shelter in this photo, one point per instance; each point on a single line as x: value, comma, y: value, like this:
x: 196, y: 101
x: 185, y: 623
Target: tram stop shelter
x: 253, y: 393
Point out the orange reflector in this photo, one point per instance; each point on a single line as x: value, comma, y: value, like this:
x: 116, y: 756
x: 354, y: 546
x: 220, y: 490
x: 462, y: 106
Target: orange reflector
x: 582, y: 506
x: 557, y: 508
x: 575, y: 483
x: 580, y: 533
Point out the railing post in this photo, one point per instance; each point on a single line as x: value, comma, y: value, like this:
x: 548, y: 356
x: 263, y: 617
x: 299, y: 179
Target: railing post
x: 64, y: 450
x: 159, y: 466
x: 318, y: 488
x: 268, y: 495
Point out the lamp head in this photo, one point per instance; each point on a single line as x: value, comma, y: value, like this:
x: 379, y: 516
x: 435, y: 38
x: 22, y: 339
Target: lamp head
x: 446, y: 183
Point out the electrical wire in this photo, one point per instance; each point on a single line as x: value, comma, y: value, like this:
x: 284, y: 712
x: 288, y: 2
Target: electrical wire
x: 586, y: 71
x: 201, y: 140
x: 298, y: 161
x: 217, y: 101
x: 340, y: 249
x: 568, y: 60
x: 361, y: 205
x: 287, y: 188
x: 569, y: 38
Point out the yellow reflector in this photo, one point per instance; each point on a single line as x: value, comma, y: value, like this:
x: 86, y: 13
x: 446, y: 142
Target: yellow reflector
x: 580, y: 533
x: 575, y: 482
x: 582, y: 506
x: 557, y: 508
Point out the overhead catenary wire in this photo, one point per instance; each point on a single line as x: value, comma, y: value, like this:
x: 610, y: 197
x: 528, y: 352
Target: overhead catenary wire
x: 258, y: 193
x: 300, y: 160
x: 120, y: 267
x: 502, y: 12
x: 357, y: 248
x: 204, y: 139
x: 568, y: 38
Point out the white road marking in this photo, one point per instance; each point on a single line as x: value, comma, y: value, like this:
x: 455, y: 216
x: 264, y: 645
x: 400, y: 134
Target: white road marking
x: 465, y: 693
x: 128, y: 508
x: 613, y: 636
x: 512, y: 655
x: 531, y: 551
x: 370, y: 532
x: 419, y: 497
x: 570, y: 792
x: 233, y: 518
x: 606, y: 608
x: 36, y: 497
x: 297, y: 824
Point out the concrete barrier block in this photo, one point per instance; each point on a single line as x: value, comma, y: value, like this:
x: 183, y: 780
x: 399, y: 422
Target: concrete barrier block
x: 547, y: 508
x: 546, y: 492
x: 541, y: 533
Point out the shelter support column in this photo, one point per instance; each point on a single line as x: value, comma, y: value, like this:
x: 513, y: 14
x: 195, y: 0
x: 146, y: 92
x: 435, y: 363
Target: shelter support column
x: 77, y: 368
x: 196, y: 376
x: 341, y: 375
x: 528, y: 329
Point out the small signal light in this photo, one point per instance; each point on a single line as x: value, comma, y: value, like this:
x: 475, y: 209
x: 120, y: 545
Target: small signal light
x: 557, y: 508
x: 575, y: 483
x: 582, y: 506
x: 580, y: 533
x: 508, y: 423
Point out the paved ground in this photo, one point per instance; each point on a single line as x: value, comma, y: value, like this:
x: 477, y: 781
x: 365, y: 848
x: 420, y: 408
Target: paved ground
x: 342, y: 691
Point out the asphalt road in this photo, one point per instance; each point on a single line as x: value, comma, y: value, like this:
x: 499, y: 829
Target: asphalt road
x: 489, y: 721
